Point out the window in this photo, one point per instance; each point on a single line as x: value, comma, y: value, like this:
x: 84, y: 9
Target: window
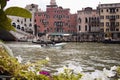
x: 107, y: 24
x: 39, y: 14
x: 101, y: 30
x: 79, y: 28
x: 107, y: 10
x: 107, y: 17
x: 18, y: 26
x: 18, y: 20
x: 22, y: 28
x: 30, y: 25
x: 89, y: 19
x: 13, y: 24
x: 41, y: 20
x: 101, y: 10
x: 25, y: 25
x: 58, y: 24
x: 30, y: 20
x: 117, y: 23
x: 117, y: 16
x: 21, y: 22
x: 79, y: 20
x: 117, y: 29
x: 25, y: 19
x: 102, y: 24
x: 32, y: 5
x: 117, y: 10
x: 112, y: 10
x: 107, y: 30
x: 86, y: 20
x: 35, y: 20
x: 101, y: 17
x: 85, y: 27
x: 67, y: 16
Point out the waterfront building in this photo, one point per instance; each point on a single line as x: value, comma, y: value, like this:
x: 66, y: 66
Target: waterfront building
x: 110, y: 20
x: 25, y: 27
x: 88, y: 24
x: 26, y: 24
x: 56, y: 19
x: 30, y: 23
x: 18, y: 22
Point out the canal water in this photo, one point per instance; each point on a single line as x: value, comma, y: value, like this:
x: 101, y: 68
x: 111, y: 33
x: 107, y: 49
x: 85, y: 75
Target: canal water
x: 86, y: 57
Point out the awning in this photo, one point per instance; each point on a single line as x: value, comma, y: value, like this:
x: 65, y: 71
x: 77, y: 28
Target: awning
x: 59, y: 34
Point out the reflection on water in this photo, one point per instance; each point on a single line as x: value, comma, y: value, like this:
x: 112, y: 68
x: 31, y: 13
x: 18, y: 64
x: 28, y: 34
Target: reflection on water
x: 89, y: 56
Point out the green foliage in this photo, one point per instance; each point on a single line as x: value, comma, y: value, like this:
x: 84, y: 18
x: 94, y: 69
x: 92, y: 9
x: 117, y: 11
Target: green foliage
x: 118, y: 71
x: 5, y: 22
x: 16, y: 11
x: 67, y: 75
x: 10, y: 66
x: 3, y: 3
x: 30, y: 71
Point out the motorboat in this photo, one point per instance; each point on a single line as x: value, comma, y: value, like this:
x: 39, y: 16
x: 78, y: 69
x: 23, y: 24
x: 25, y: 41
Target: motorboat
x: 48, y: 44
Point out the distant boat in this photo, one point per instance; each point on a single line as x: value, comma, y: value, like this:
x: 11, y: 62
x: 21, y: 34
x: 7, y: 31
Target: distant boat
x: 111, y: 41
x: 57, y: 45
x: 49, y: 43
x: 46, y: 42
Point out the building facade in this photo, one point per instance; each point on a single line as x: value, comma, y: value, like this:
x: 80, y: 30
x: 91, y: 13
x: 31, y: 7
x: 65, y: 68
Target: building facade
x: 56, y: 19
x: 26, y: 24
x: 30, y: 23
x: 88, y: 24
x: 110, y: 20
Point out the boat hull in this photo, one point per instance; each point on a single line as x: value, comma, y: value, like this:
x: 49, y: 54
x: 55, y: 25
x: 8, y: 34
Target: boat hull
x: 111, y: 41
x: 50, y: 44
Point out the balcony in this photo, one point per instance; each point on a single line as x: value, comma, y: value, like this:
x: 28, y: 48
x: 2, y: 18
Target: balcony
x: 112, y: 18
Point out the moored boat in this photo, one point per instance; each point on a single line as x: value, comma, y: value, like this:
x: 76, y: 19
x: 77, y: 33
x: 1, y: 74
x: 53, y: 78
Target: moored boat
x: 111, y: 41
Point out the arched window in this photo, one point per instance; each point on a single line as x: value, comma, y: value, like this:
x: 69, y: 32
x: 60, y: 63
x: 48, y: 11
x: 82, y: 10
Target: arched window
x: 22, y: 28
x: 85, y: 27
x: 13, y: 24
x: 18, y: 26
x: 79, y: 20
x: 86, y: 20
x: 30, y: 25
x: 79, y: 28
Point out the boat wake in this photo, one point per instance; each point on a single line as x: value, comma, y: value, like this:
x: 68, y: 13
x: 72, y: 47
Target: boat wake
x: 24, y: 45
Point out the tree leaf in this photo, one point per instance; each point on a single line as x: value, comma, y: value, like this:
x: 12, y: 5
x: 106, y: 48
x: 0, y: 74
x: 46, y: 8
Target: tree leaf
x: 17, y: 11
x: 3, y: 3
x: 5, y: 22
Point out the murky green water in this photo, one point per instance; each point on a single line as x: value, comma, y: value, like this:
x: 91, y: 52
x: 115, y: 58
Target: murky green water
x: 89, y: 56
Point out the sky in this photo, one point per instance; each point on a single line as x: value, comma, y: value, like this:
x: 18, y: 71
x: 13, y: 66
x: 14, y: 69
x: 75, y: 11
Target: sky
x: 74, y: 5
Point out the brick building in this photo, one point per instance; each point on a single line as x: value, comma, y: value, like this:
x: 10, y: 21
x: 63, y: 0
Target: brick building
x: 56, y: 19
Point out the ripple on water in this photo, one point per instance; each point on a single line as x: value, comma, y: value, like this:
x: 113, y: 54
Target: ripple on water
x: 24, y: 46
x: 89, y: 56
